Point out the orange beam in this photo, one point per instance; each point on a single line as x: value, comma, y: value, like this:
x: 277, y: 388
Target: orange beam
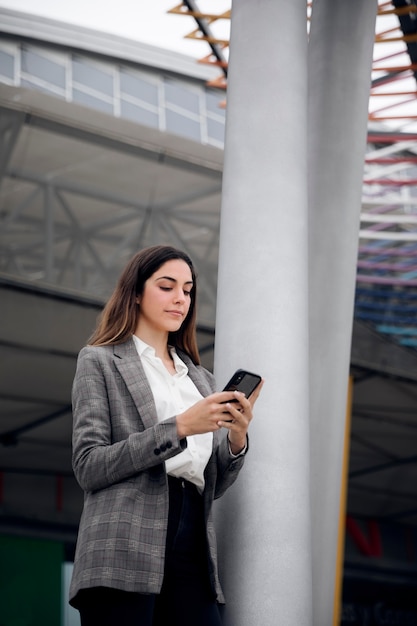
x: 219, y: 83
x: 391, y: 117
x: 394, y: 93
x: 396, y: 68
x: 181, y: 9
x: 393, y: 105
x: 406, y: 38
x: 389, y: 30
x: 211, y: 60
x: 411, y: 8
x: 196, y: 34
x: 337, y: 603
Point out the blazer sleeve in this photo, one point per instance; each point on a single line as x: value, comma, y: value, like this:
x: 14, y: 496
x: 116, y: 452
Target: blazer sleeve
x: 110, y: 444
x: 228, y: 465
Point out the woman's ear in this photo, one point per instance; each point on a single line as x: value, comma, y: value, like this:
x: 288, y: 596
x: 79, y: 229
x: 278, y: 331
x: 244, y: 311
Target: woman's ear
x: 137, y: 300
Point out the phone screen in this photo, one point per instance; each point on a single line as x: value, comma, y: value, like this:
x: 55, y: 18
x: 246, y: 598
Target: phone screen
x: 243, y: 381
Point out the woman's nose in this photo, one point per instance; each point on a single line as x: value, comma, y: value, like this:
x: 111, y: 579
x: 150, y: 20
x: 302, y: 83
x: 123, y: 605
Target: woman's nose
x: 179, y: 296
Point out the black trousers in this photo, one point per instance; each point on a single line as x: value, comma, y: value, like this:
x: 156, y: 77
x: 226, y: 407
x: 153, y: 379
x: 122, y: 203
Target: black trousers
x: 186, y: 597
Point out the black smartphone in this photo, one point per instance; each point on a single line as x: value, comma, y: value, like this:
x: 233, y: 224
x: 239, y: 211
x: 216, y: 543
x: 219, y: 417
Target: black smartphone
x: 244, y: 381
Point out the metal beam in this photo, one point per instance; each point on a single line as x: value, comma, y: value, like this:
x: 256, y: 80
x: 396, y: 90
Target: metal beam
x: 381, y: 467
x: 10, y: 437
x: 159, y: 155
x: 11, y: 123
x: 371, y: 350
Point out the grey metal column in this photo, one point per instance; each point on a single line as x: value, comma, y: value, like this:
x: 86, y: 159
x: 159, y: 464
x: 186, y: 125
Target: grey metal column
x: 262, y: 320
x: 340, y: 56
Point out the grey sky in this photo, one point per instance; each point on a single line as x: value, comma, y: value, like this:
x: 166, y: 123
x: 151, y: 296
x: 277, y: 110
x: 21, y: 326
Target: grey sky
x: 143, y: 20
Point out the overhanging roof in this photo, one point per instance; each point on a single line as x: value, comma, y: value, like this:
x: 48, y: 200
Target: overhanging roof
x: 80, y: 192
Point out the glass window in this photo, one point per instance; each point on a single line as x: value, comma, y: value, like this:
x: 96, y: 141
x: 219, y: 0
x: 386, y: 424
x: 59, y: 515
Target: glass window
x: 132, y: 85
x: 91, y: 101
x: 215, y: 130
x: 91, y: 76
x: 213, y: 101
x: 138, y: 114
x: 6, y: 64
x: 182, y: 97
x: 43, y: 68
x: 180, y: 125
x: 43, y: 88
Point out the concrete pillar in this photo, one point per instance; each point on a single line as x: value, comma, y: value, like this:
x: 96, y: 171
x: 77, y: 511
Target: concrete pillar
x: 262, y: 320
x: 340, y: 56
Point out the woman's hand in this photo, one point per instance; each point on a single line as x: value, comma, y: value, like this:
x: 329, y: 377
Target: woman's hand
x: 206, y: 415
x: 217, y: 411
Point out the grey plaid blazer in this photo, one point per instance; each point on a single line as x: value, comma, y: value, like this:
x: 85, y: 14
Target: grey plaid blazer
x: 119, y: 449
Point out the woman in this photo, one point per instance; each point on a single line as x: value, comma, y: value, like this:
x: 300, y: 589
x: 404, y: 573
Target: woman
x: 148, y: 454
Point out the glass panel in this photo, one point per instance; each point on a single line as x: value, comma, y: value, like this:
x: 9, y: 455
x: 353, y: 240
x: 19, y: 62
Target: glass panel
x: 213, y: 100
x: 92, y: 77
x: 215, y: 130
x: 91, y: 101
x: 37, y: 65
x: 71, y: 616
x: 180, y: 125
x: 137, y: 114
x: 6, y: 64
x: 44, y: 89
x: 178, y: 95
x: 134, y: 86
x: 33, y: 567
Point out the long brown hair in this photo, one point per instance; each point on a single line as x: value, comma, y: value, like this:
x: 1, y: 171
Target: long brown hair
x: 118, y: 319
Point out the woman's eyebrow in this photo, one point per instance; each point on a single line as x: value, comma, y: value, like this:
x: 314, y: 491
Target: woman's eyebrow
x: 174, y: 280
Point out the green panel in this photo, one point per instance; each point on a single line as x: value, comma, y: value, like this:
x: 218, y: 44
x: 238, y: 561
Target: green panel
x: 30, y: 582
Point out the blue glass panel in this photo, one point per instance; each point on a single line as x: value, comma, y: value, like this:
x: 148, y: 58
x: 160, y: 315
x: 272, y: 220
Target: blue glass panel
x: 44, y: 89
x: 182, y: 97
x: 135, y: 86
x: 213, y: 101
x: 6, y: 64
x: 90, y: 76
x: 180, y: 125
x: 91, y: 101
x: 45, y: 69
x: 215, y: 130
x: 139, y: 115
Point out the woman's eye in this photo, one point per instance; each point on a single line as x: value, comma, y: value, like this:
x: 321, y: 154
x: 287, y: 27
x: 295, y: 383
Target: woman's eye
x: 187, y: 293
x: 165, y: 288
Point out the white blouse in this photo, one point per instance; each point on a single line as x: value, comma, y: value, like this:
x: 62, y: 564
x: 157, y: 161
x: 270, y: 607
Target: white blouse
x: 174, y: 394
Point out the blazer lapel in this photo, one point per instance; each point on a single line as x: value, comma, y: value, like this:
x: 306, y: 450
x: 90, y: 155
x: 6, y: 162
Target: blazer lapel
x: 199, y: 381
x: 131, y: 369
x: 130, y: 366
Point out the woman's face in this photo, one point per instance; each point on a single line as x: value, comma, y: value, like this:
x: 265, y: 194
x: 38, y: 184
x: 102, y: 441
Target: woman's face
x: 166, y: 298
